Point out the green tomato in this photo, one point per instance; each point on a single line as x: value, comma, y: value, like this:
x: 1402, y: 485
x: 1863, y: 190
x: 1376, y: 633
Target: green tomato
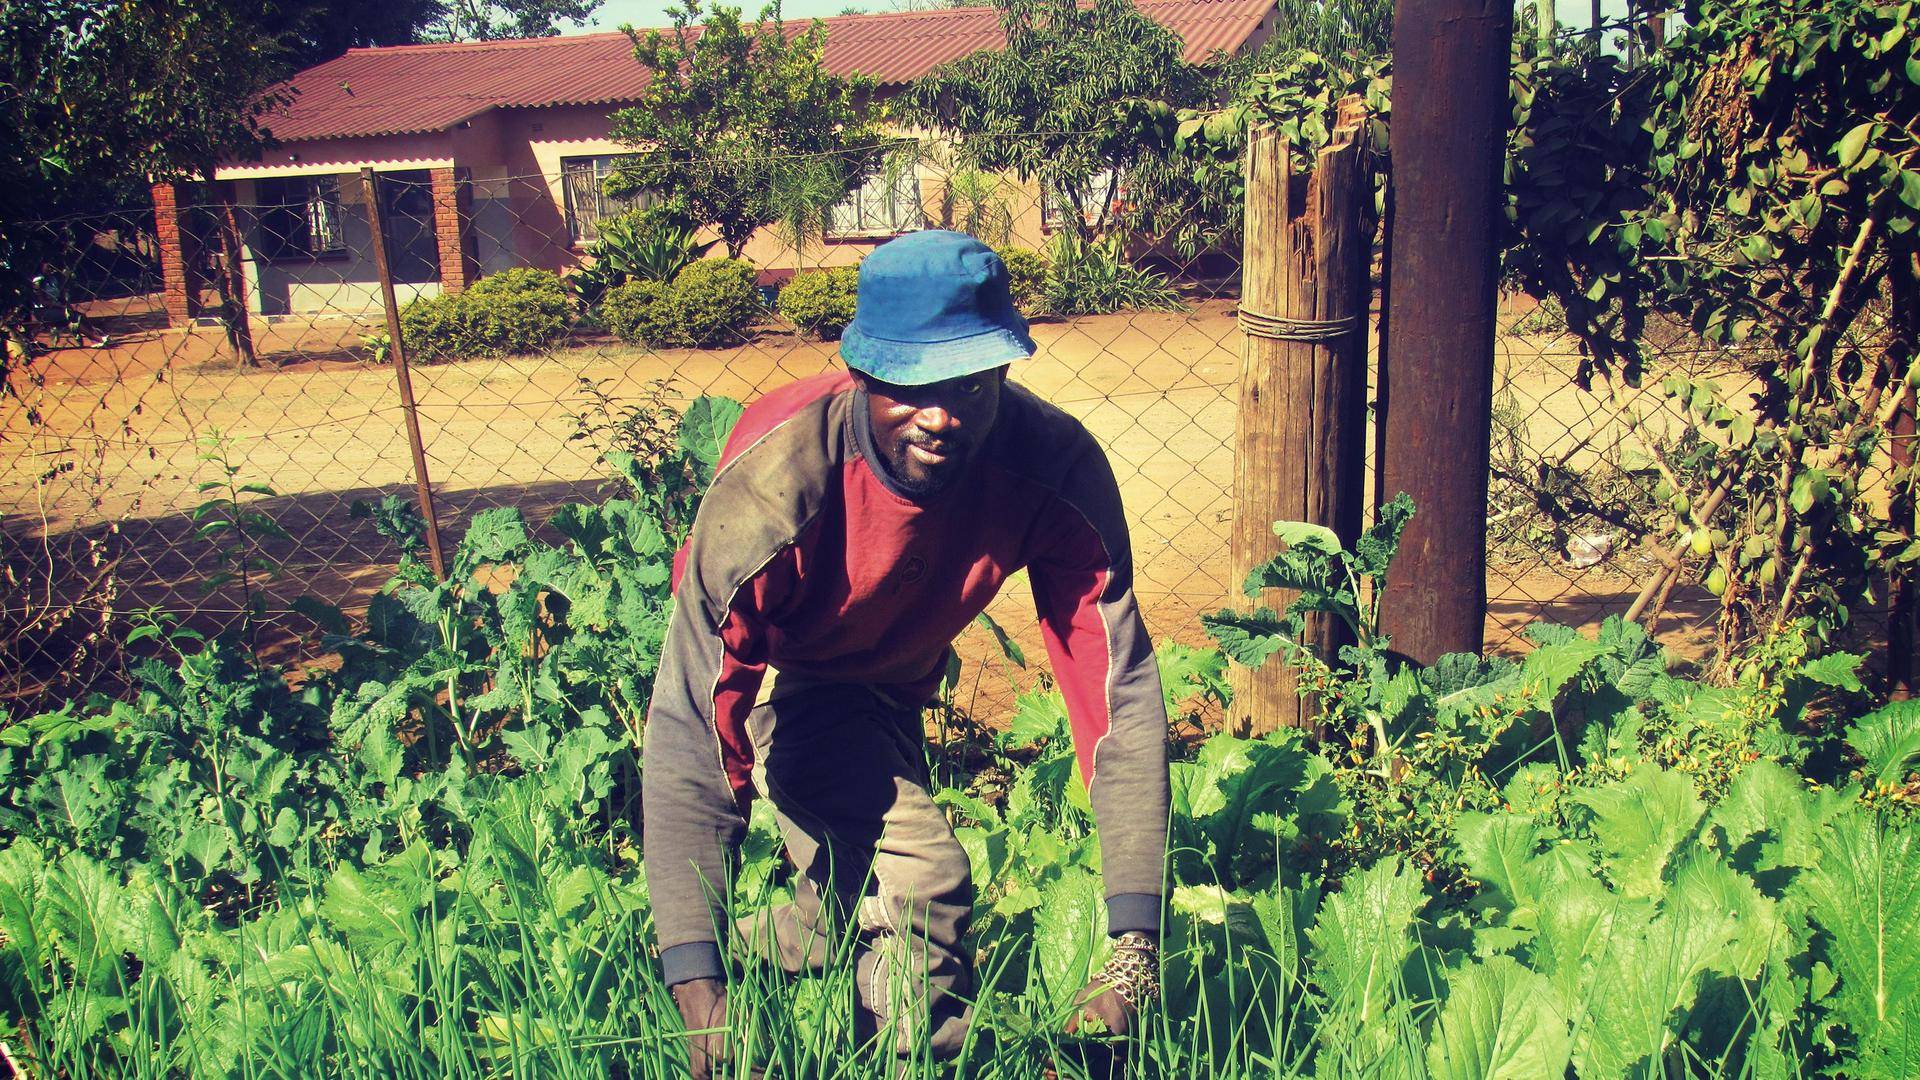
x: 1717, y: 581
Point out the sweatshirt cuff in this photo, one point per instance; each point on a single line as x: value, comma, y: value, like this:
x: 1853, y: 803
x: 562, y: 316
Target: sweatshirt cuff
x: 1133, y: 911
x: 693, y: 960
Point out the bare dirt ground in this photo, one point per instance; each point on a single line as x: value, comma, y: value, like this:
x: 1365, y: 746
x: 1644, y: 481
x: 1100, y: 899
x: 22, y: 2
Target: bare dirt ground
x: 111, y: 444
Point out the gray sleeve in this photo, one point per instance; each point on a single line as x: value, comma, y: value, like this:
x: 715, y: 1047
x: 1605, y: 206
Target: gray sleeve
x: 691, y: 821
x: 1104, y: 663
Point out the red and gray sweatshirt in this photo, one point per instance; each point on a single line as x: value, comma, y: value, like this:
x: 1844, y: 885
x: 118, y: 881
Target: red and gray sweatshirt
x: 804, y: 557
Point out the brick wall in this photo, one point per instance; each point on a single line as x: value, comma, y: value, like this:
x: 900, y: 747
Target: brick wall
x: 451, y: 195
x: 170, y: 227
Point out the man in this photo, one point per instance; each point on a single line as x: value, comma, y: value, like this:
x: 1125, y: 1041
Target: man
x: 857, y: 523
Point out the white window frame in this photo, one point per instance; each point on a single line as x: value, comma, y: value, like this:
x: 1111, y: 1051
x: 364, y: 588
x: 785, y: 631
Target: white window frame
x: 1101, y: 185
x: 887, y: 204
x: 583, y: 228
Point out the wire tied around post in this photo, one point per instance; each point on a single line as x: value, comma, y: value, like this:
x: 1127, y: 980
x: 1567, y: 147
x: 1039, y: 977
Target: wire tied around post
x: 1280, y: 328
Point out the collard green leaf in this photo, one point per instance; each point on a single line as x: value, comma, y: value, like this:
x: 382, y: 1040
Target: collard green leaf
x: 1888, y: 739
x: 1768, y: 819
x: 1068, y: 927
x: 1363, y: 935
x: 704, y: 428
x: 1375, y: 549
x: 1038, y: 715
x: 1500, y: 1022
x: 1638, y: 823
x: 1645, y: 979
x: 1499, y: 851
x: 1864, y: 892
x: 1714, y: 891
x: 1306, y: 535
x: 495, y: 535
x: 1247, y: 639
x: 23, y: 873
x: 1548, y: 669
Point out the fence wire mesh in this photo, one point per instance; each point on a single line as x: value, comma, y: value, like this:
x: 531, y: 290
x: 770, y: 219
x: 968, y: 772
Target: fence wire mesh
x: 150, y: 396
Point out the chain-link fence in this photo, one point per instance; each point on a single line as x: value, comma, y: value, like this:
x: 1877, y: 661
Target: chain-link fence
x: 239, y: 351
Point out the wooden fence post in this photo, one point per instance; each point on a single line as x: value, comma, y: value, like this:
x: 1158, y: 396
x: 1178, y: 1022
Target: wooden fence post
x: 1299, y: 452
x: 423, y: 490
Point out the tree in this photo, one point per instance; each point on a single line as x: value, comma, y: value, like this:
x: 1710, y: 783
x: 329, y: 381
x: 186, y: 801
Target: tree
x: 1757, y: 179
x: 97, y: 97
x: 1069, y: 98
x: 1334, y: 28
x: 741, y: 126
x: 490, y: 20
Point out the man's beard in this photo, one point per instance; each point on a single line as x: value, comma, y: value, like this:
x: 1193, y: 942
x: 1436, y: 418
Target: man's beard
x: 919, y: 482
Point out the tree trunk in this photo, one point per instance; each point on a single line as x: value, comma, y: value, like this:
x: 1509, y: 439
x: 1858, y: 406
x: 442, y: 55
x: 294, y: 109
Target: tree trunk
x: 232, y: 278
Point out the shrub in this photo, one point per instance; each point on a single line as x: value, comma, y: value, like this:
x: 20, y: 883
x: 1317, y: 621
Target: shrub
x: 711, y: 302
x: 640, y: 313
x: 1095, y: 279
x: 716, y: 300
x: 821, y: 302
x: 1026, y: 275
x: 437, y: 328
x: 641, y: 245
x: 514, y: 311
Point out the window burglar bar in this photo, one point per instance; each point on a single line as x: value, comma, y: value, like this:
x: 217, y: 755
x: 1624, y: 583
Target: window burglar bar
x: 299, y: 217
x: 582, y: 182
x: 886, y: 205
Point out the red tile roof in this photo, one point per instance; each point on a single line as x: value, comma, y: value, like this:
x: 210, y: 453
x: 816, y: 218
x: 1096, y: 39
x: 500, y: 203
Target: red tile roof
x: 405, y: 89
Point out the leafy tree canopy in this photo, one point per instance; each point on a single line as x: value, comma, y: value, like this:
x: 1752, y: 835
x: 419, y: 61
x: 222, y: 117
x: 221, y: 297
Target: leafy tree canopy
x: 488, y: 20
x: 96, y: 98
x: 740, y: 121
x: 1069, y: 97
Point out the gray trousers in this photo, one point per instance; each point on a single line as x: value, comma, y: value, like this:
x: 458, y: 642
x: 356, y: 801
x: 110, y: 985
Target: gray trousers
x: 845, y: 770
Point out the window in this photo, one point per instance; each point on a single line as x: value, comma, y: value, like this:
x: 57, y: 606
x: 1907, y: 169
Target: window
x: 583, y: 180
x: 887, y: 204
x: 1101, y: 189
x: 299, y: 217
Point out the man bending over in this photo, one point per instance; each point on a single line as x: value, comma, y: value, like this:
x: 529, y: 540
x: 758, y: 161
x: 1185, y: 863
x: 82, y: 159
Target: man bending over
x: 857, y: 524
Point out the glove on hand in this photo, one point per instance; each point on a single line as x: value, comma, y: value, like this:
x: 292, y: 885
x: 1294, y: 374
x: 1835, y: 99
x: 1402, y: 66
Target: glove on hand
x: 1119, y: 992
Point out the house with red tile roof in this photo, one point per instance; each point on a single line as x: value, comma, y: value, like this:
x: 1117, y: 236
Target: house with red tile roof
x: 490, y: 155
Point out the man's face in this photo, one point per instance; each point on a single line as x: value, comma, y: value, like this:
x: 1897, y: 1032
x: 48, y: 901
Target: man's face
x: 925, y: 435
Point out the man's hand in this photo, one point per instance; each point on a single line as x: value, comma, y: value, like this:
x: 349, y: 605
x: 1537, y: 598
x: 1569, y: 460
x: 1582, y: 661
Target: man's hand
x: 1117, y: 992
x: 703, y: 1004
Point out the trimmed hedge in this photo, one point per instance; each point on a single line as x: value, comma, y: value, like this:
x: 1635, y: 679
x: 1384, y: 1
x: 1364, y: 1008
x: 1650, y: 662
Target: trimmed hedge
x: 514, y: 311
x: 639, y: 313
x: 711, y: 302
x: 1026, y: 277
x: 821, y: 302
x: 716, y: 301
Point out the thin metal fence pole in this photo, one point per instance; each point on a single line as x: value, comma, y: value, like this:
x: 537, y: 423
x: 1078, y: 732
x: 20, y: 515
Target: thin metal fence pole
x: 423, y: 489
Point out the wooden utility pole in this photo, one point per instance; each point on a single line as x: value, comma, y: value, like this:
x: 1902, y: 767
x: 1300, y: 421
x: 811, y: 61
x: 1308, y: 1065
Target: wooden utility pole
x: 1435, y: 406
x: 423, y: 489
x: 1300, y: 445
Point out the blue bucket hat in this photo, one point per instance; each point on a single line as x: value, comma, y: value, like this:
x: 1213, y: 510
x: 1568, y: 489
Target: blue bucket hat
x: 933, y: 305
